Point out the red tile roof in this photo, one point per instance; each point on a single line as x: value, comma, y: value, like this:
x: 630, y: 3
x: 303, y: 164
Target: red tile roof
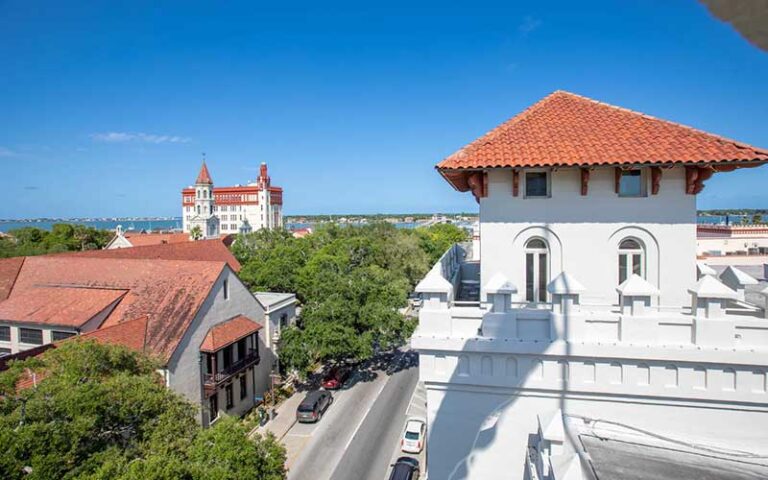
x: 212, y: 250
x: 204, y: 176
x: 228, y: 332
x: 565, y: 129
x: 9, y: 269
x: 62, y: 306
x: 169, y: 292
x: 130, y: 333
x: 143, y: 239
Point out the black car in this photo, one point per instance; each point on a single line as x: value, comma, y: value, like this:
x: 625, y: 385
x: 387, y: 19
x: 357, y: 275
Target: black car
x: 313, y: 406
x: 405, y: 468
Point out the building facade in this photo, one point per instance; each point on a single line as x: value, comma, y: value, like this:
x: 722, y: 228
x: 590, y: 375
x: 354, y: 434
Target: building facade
x: 585, y: 301
x: 231, y: 210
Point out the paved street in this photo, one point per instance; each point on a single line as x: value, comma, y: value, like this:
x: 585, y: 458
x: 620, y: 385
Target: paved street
x: 356, y: 437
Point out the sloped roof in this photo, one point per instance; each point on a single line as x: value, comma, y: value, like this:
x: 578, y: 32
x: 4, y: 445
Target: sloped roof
x: 710, y: 287
x: 212, y: 250
x: 228, y: 332
x: 637, y: 286
x: 63, y: 306
x: 9, y: 269
x: 143, y: 239
x: 565, y: 129
x: 131, y: 333
x: 204, y: 177
x: 499, y: 283
x: 565, y: 284
x: 733, y: 276
x: 169, y: 292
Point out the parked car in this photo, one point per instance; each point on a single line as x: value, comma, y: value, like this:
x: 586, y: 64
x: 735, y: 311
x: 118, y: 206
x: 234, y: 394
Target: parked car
x: 413, y: 436
x: 336, y: 377
x: 314, y: 405
x: 405, y: 468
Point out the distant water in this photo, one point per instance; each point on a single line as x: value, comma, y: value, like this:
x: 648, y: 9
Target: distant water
x: 721, y: 219
x: 128, y: 225
x: 137, y: 225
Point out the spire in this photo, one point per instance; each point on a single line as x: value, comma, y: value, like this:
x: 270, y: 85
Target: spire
x: 263, y: 177
x: 204, y: 177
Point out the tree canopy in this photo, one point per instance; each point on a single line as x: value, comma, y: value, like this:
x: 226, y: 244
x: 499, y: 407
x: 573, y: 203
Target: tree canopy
x: 63, y: 237
x: 103, y: 412
x: 351, y: 282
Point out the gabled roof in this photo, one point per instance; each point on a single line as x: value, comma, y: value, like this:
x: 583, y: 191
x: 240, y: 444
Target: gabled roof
x: 58, y: 306
x: 204, y: 177
x: 565, y: 129
x: 131, y: 334
x: 212, y: 250
x: 733, y: 276
x: 228, y: 332
x: 143, y: 239
x: 169, y: 292
x: 499, y: 283
x: 710, y: 287
x: 704, y: 269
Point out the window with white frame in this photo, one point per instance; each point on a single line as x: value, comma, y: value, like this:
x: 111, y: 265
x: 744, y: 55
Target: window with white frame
x: 631, y: 259
x: 537, y: 184
x: 632, y: 183
x: 536, y: 270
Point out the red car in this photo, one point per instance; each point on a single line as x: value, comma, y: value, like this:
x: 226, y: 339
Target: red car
x: 336, y: 377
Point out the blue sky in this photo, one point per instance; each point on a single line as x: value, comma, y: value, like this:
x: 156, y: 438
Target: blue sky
x: 107, y: 106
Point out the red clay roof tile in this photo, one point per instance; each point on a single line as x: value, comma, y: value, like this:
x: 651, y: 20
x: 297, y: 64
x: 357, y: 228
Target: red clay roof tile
x: 565, y: 129
x: 9, y: 270
x: 62, y: 306
x: 228, y: 332
x: 212, y: 250
x: 170, y: 292
x: 144, y: 239
x: 130, y: 333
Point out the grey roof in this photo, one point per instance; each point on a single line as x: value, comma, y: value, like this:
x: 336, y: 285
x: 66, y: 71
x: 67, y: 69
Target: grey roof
x: 270, y: 299
x: 614, y: 459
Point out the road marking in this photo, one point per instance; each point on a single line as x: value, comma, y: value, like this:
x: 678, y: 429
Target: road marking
x: 368, y: 410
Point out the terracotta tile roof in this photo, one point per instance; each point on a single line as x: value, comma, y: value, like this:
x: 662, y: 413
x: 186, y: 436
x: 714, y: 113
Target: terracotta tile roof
x: 212, y: 250
x: 143, y: 239
x: 9, y: 269
x: 228, y: 332
x: 565, y: 129
x: 62, y: 306
x: 130, y: 333
x: 170, y: 292
x: 204, y: 176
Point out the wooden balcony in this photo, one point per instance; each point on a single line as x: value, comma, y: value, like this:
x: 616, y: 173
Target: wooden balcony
x: 214, y: 379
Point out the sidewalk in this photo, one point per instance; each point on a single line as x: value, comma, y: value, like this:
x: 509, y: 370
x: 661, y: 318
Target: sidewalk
x: 285, y: 417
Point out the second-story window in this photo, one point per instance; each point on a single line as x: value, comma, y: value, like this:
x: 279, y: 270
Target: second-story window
x: 225, y: 288
x: 536, y: 270
x: 230, y: 396
x: 227, y: 354
x: 631, y: 259
x: 632, y: 183
x: 243, y: 387
x: 537, y: 184
x: 241, y: 349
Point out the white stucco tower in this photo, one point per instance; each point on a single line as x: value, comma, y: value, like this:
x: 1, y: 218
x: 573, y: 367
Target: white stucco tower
x: 203, y: 215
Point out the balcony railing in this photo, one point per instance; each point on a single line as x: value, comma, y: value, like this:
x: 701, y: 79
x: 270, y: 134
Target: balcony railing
x: 251, y: 358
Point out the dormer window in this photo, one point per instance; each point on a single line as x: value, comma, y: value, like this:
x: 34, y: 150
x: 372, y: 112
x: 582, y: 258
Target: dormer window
x: 537, y: 184
x: 632, y: 183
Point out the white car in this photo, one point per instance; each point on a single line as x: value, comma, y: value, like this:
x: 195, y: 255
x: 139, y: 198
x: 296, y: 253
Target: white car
x: 413, y: 436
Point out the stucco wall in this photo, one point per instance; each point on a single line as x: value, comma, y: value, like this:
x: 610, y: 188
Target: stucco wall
x: 185, y: 365
x: 583, y: 232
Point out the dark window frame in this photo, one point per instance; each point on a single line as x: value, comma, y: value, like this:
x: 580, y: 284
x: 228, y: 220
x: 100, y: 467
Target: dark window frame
x: 242, y: 348
x: 57, y: 335
x: 230, y: 396
x: 3, y: 336
x: 634, y: 173
x: 213, y: 407
x: 243, y: 387
x: 547, y: 183
x: 27, y: 330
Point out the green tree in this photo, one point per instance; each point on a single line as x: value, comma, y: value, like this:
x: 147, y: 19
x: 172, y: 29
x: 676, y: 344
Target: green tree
x: 102, y: 411
x: 196, y: 232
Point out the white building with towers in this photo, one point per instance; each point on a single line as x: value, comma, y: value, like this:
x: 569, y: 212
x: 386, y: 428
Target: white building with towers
x: 592, y: 347
x: 231, y: 210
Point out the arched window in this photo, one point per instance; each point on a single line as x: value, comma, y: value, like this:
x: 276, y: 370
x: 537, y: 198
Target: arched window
x: 536, y: 270
x: 631, y: 259
x: 198, y: 209
x: 205, y: 193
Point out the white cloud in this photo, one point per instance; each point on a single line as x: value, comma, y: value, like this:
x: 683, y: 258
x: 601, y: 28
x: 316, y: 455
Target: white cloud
x: 122, y: 137
x: 528, y: 25
x: 6, y: 152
